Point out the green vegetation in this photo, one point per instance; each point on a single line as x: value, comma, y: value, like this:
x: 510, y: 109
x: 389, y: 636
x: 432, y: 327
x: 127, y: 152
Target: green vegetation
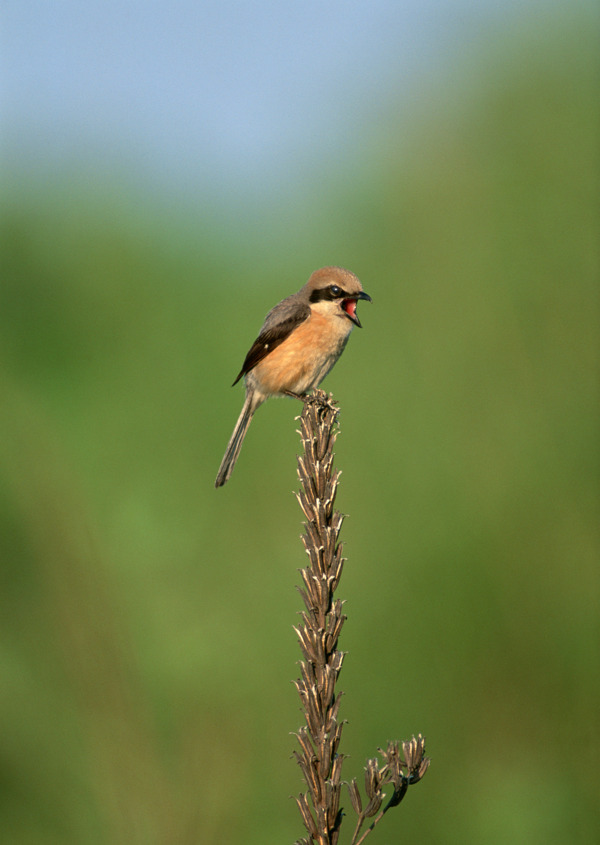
x: 145, y: 618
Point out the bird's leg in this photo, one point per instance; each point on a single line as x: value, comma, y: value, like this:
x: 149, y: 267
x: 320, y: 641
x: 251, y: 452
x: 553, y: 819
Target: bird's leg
x: 301, y: 396
x: 317, y: 397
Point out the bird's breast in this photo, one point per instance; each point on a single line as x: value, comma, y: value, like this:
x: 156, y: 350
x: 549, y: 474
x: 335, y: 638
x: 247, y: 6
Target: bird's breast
x: 304, y: 358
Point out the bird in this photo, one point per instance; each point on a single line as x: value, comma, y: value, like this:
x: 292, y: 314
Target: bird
x: 300, y: 340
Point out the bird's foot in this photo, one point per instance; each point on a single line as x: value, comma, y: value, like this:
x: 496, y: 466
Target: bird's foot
x: 320, y: 399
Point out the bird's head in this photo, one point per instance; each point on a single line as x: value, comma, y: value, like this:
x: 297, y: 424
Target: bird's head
x: 336, y: 291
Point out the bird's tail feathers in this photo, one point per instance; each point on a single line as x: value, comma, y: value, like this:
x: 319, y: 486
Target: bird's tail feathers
x: 235, y: 443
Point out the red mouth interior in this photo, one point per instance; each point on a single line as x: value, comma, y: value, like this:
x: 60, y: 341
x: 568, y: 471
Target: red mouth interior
x: 349, y: 306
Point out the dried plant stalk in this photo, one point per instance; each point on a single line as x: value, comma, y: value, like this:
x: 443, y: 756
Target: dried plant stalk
x: 318, y: 634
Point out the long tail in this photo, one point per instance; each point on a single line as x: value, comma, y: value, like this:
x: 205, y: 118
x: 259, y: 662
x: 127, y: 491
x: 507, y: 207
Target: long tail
x: 235, y: 444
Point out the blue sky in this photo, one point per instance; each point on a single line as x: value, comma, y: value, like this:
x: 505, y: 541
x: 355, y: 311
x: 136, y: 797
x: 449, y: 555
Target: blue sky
x: 228, y: 93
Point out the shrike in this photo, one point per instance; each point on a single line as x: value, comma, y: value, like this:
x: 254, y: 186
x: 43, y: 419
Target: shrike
x: 300, y: 341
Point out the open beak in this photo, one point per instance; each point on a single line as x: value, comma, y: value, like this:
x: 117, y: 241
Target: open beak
x: 349, y: 306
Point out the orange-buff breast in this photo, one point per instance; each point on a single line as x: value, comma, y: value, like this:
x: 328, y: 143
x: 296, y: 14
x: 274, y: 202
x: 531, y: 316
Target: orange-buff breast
x: 302, y: 360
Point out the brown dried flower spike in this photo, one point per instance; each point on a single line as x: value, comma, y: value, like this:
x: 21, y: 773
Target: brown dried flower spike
x: 318, y: 634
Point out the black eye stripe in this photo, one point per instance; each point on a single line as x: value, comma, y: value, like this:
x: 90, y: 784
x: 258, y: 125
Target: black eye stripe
x: 326, y: 294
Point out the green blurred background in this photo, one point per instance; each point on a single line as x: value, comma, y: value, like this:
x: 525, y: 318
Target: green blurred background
x: 147, y: 649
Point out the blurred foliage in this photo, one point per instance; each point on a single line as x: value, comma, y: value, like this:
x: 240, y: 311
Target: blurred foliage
x: 146, y: 650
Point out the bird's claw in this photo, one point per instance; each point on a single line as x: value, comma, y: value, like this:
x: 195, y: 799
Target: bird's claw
x: 320, y: 399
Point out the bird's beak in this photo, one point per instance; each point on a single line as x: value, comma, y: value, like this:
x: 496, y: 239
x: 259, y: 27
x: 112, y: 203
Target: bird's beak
x: 349, y: 306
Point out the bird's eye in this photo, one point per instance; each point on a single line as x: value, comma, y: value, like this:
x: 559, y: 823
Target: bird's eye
x: 335, y: 290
